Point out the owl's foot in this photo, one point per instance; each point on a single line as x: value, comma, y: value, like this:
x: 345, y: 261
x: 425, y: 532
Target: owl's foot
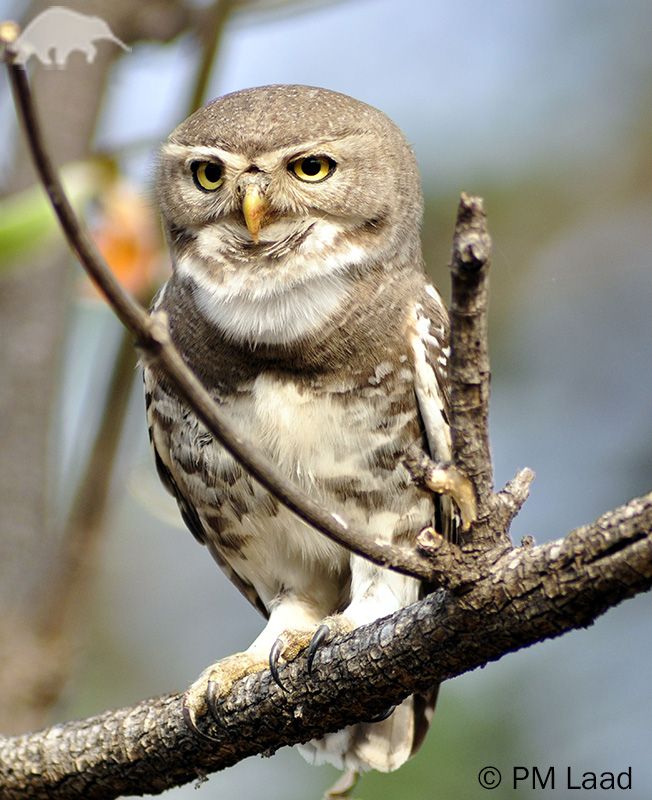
x: 328, y: 630
x: 445, y: 479
x: 214, y: 683
x: 292, y: 643
x: 288, y: 646
x: 343, y: 785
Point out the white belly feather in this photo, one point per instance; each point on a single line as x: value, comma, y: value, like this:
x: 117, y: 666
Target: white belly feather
x: 311, y: 438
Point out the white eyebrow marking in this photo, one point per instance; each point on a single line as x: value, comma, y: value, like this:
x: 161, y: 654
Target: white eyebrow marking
x: 193, y: 152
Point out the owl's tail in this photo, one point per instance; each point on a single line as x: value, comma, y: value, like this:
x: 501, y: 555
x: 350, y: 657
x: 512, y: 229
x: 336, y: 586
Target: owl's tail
x: 383, y: 746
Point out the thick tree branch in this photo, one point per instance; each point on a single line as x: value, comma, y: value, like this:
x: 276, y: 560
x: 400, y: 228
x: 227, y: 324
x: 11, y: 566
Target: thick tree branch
x: 526, y: 595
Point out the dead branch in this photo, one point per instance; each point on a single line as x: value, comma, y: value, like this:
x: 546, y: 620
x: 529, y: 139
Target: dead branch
x: 527, y: 595
x: 469, y: 361
x: 470, y: 377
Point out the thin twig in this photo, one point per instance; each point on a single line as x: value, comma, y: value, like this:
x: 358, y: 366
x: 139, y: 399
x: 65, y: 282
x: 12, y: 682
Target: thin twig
x: 84, y: 525
x: 130, y: 313
x: 154, y: 340
x: 211, y: 33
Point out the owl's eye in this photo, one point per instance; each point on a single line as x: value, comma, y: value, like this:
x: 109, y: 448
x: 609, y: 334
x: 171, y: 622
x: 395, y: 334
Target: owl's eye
x: 207, y: 175
x: 312, y: 168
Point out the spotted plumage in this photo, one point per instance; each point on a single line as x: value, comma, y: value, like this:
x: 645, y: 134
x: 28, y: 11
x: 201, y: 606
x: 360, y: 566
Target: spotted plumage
x: 298, y: 297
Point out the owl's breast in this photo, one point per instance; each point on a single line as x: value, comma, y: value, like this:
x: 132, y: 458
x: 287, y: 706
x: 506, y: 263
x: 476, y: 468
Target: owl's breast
x: 342, y: 442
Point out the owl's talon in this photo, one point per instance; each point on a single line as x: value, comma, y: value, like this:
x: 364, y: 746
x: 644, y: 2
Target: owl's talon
x: 343, y: 786
x: 447, y: 479
x: 322, y: 634
x: 383, y: 715
x: 332, y: 626
x: 191, y: 723
x: 274, y: 656
x: 212, y: 697
x: 444, y: 478
x: 204, y: 695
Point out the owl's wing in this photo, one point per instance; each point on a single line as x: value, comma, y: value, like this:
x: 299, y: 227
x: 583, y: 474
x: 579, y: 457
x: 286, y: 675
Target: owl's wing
x: 430, y: 346
x: 195, y: 526
x: 429, y: 340
x: 431, y: 352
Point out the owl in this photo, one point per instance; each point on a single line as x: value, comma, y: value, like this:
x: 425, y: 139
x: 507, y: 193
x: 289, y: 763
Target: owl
x: 299, y: 298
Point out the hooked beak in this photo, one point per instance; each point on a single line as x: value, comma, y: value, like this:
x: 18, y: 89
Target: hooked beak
x: 254, y: 208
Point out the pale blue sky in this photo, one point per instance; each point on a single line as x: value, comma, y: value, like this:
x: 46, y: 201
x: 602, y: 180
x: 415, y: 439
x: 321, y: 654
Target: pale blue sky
x: 477, y: 87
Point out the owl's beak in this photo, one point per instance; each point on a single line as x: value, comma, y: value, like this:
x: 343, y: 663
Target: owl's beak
x: 254, y: 208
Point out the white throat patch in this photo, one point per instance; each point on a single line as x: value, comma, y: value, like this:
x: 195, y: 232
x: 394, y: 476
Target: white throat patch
x: 274, y: 302
x: 278, y: 318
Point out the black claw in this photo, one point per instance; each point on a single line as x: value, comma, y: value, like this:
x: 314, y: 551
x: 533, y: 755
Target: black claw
x: 212, y: 697
x: 192, y: 725
x: 383, y: 714
x: 274, y: 655
x: 322, y: 634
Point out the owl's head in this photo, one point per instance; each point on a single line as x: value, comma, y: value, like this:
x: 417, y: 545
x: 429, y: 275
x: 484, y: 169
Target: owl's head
x: 267, y: 188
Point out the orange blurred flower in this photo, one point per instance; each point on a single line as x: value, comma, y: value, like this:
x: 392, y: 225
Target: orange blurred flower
x: 127, y: 234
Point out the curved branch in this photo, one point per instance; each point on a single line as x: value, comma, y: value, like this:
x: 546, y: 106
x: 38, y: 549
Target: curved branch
x: 155, y: 343
x: 527, y: 595
x: 210, y: 30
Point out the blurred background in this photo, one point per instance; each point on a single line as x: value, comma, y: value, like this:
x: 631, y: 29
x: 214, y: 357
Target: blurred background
x: 543, y: 108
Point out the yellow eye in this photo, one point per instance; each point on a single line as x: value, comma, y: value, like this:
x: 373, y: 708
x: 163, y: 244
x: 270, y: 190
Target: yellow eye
x: 208, y: 175
x: 312, y: 168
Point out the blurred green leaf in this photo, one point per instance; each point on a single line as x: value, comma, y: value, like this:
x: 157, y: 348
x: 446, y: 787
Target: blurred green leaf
x: 27, y: 222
